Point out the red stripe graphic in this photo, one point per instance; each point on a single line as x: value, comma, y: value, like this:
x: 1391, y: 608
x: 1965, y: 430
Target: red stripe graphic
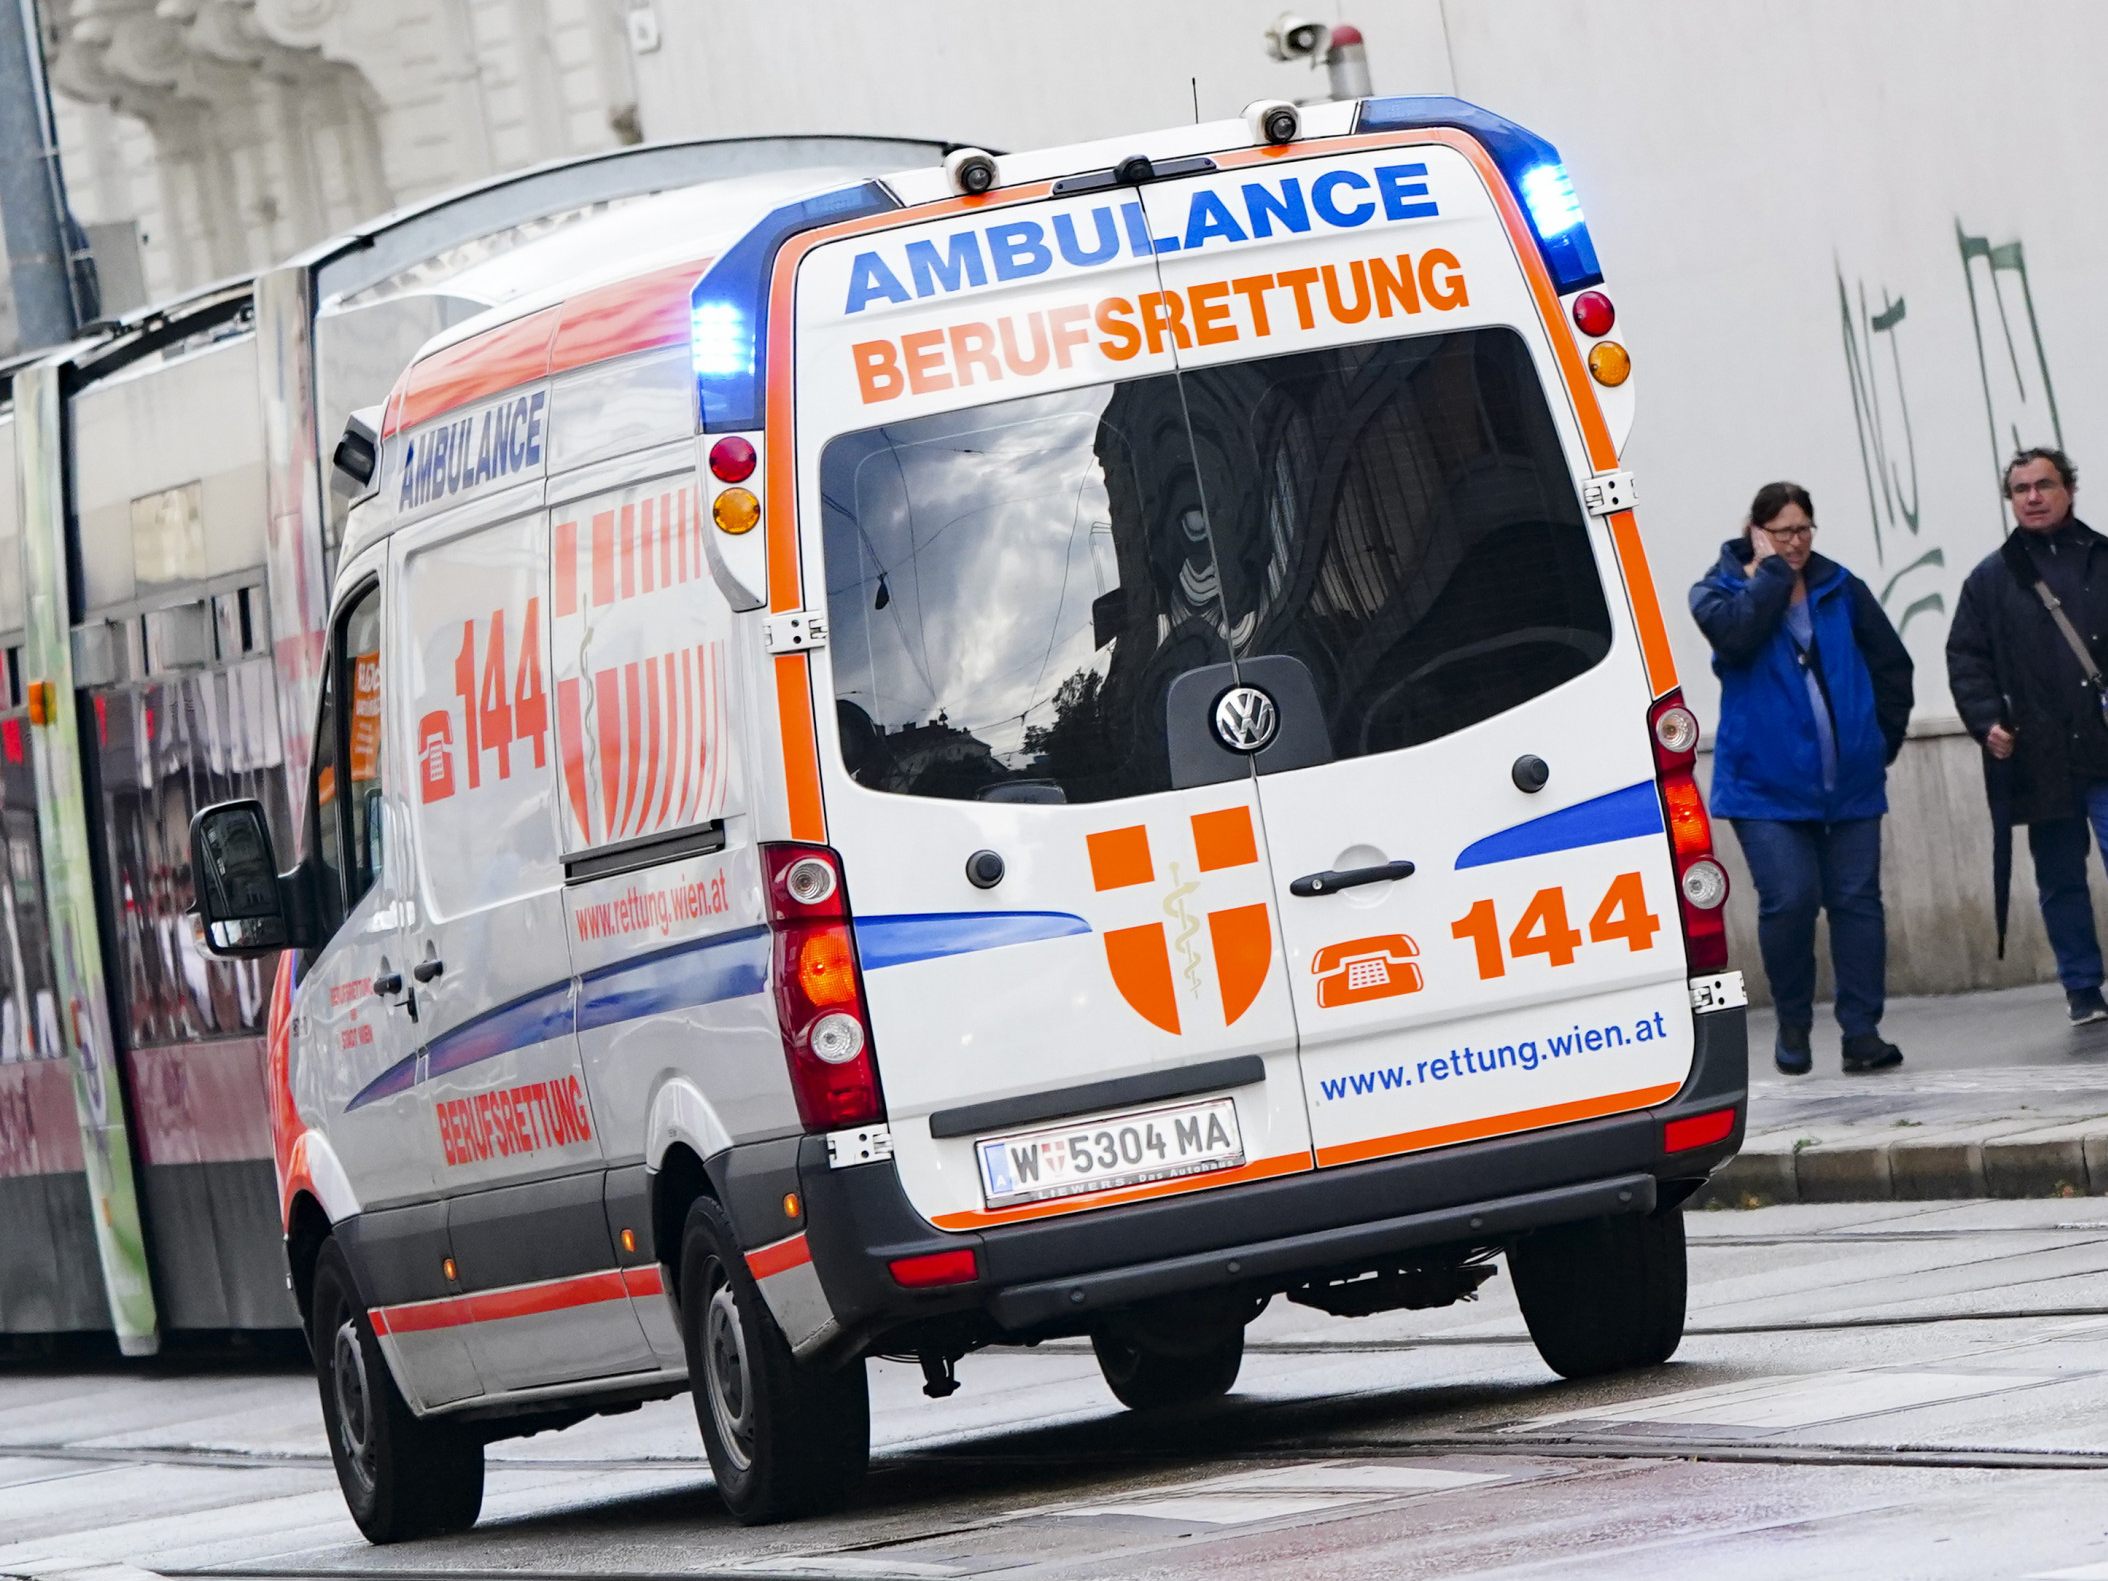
x: 671, y: 746
x: 692, y: 525
x: 607, y: 720
x: 566, y: 557
x: 603, y: 558
x: 633, y: 732
x: 571, y: 742
x: 647, y: 548
x: 677, y: 513
x: 665, y: 503
x: 629, y: 551
x: 489, y: 1306
x: 779, y: 1257
x: 654, y: 731
x: 713, y: 736
x: 686, y: 664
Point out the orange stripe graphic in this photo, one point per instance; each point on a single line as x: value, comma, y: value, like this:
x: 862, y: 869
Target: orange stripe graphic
x: 654, y: 741
x: 603, y: 558
x: 1258, y: 1169
x: 801, y: 754
x: 607, y: 719
x: 1497, y: 1125
x: 488, y: 1306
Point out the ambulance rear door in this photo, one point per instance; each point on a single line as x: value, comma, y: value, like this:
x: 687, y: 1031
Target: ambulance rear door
x: 1069, y: 952
x: 1390, y: 461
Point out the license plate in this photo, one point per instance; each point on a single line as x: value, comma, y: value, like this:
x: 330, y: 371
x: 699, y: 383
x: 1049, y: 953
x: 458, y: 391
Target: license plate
x: 1106, y: 1154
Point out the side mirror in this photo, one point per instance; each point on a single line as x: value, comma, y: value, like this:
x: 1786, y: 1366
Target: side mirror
x: 240, y: 895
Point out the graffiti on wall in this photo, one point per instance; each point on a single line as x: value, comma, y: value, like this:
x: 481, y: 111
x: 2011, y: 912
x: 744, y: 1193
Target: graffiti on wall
x: 2020, y: 408
x: 1888, y: 453
x: 2019, y: 403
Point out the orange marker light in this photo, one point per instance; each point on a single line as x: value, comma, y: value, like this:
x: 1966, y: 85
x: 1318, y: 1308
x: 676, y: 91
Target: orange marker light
x: 446, y: 1267
x: 40, y: 709
x: 792, y: 1207
x: 736, y: 511
x: 1610, y: 363
x: 629, y: 1240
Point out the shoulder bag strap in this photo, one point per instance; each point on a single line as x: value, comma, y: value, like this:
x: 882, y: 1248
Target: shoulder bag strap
x: 2073, y: 640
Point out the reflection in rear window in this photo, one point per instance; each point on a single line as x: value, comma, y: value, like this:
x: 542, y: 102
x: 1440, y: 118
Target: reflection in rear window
x: 1013, y: 588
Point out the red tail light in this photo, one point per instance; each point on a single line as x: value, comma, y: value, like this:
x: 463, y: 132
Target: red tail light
x: 1698, y: 1130
x: 932, y: 1269
x: 1701, y: 882
x: 819, y: 989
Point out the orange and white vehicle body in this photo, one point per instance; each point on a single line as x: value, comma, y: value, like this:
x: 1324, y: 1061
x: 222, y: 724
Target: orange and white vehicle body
x: 1055, y: 747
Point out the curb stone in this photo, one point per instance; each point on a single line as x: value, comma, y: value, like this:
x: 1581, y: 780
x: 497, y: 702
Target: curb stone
x: 2052, y: 1161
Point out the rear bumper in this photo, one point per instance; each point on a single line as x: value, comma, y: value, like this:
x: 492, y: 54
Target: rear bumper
x: 1059, y: 1275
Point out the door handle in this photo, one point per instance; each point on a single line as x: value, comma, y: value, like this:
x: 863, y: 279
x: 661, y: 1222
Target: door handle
x: 1334, y: 879
x: 388, y: 985
x: 425, y: 971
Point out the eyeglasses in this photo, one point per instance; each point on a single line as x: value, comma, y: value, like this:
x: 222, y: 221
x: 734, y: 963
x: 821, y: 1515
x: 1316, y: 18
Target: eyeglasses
x: 2051, y: 487
x: 1789, y: 534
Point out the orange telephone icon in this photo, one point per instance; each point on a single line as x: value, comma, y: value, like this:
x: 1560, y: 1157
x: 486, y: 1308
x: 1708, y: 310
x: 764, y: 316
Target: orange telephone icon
x: 1358, y: 970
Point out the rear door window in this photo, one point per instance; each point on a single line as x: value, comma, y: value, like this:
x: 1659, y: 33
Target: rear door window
x: 1013, y: 588
x: 1011, y: 591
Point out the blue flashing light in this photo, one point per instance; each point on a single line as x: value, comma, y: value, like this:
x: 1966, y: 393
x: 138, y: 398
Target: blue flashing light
x: 729, y: 309
x: 1549, y: 193
x: 1531, y: 166
x: 719, y: 340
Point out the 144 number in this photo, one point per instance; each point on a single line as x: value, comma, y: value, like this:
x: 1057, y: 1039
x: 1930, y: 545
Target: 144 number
x: 502, y: 705
x: 1544, y: 929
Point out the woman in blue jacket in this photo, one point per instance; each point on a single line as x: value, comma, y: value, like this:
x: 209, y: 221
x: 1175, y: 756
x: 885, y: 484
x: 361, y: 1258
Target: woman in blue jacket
x: 1815, y: 692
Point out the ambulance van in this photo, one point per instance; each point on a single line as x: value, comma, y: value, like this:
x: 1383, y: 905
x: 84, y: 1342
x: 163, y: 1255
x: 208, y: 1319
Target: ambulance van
x: 1050, y: 745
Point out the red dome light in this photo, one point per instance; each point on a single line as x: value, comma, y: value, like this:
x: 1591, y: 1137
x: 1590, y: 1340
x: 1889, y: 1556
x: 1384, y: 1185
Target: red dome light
x: 732, y: 458
x: 1593, y: 314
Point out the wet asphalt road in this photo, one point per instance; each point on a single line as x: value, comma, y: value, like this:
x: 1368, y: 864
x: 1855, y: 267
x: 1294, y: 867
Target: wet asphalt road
x: 1902, y: 1390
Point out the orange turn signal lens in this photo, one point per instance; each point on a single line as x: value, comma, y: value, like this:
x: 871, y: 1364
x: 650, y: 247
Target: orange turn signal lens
x: 827, y: 968
x: 629, y: 1240
x: 40, y: 709
x: 446, y: 1266
x: 737, y: 511
x: 1610, y: 363
x: 792, y: 1207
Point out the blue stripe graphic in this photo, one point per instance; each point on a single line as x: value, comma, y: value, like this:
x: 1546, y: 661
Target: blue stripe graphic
x: 1622, y: 815
x: 728, y: 966
x: 725, y: 967
x: 927, y: 936
x: 521, y: 1024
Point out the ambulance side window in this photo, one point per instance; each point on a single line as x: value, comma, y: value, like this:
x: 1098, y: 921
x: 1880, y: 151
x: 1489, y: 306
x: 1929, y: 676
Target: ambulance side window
x: 360, y: 678
x: 345, y: 827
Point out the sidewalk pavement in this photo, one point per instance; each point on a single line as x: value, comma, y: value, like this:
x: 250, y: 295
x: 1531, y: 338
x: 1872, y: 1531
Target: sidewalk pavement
x: 1998, y: 1096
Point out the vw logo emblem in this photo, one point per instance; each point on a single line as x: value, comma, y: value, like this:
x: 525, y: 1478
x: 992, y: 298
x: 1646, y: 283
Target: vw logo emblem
x: 1246, y: 719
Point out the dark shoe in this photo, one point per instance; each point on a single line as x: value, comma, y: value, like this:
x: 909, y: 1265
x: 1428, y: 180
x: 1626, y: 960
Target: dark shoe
x: 1789, y: 1051
x: 1868, y: 1052
x: 2086, y: 1005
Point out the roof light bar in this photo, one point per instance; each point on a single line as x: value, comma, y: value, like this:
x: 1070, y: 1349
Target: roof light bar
x: 1531, y: 165
x: 728, y: 310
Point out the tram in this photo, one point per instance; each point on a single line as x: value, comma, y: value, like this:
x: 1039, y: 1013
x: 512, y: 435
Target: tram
x: 167, y: 538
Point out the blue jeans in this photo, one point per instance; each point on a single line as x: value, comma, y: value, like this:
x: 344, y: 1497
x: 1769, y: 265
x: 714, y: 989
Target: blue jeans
x: 2059, y: 848
x: 1802, y: 868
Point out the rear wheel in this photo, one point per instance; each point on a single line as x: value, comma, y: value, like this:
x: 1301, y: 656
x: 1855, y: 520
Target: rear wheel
x: 403, y: 1477
x: 1146, y: 1378
x: 1604, y: 1295
x: 784, y: 1439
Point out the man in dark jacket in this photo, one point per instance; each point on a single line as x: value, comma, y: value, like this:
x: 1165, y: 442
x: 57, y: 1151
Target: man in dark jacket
x: 2025, y: 694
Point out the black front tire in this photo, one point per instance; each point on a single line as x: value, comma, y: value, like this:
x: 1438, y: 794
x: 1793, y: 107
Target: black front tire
x: 403, y: 1476
x: 1144, y: 1378
x: 784, y: 1439
x: 1605, y: 1295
